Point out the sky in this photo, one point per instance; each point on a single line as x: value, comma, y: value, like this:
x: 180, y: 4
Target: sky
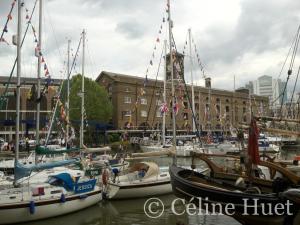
x: 241, y: 38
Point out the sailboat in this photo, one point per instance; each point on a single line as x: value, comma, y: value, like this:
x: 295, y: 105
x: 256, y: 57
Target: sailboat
x: 61, y: 194
x: 230, y: 187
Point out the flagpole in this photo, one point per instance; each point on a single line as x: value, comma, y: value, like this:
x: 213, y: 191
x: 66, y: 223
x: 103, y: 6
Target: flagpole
x: 38, y: 106
x: 164, y: 98
x: 82, y: 90
x: 172, y: 81
x: 68, y: 94
x: 20, y: 5
x: 192, y: 80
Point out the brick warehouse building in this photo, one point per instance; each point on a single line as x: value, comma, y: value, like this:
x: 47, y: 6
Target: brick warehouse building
x: 227, y: 107
x: 27, y: 106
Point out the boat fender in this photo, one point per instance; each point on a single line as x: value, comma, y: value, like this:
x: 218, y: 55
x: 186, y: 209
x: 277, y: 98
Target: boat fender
x: 105, y: 177
x: 32, y: 207
x: 62, y: 198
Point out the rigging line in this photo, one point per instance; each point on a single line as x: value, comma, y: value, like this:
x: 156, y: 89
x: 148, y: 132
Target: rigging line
x: 3, y: 96
x: 90, y: 56
x: 280, y: 73
x: 290, y: 68
x: 188, y: 97
x: 162, y: 52
x: 53, y: 32
x: 294, y: 89
x: 75, y: 57
x: 60, y: 91
x: 295, y: 49
x: 7, y: 20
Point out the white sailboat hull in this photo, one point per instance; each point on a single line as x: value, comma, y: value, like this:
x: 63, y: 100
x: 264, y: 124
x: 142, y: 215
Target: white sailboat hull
x: 20, y: 212
x: 139, y: 191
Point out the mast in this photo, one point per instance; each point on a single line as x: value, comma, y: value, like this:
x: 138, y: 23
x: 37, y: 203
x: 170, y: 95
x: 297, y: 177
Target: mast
x: 38, y: 106
x: 68, y: 92
x: 172, y: 80
x: 20, y: 5
x: 192, y: 80
x: 82, y: 90
x: 164, y: 97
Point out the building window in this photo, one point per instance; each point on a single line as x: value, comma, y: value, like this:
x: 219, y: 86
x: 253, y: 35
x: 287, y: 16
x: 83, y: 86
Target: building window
x: 227, y: 100
x: 158, y: 102
x: 143, y: 113
x: 185, y: 116
x: 158, y: 93
x: 185, y: 105
x: 158, y: 113
x: 127, y: 99
x: 217, y: 100
x: 227, y: 108
x: 127, y: 89
x: 126, y: 113
x: 143, y: 101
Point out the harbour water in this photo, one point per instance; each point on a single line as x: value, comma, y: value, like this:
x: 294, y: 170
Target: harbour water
x: 131, y: 211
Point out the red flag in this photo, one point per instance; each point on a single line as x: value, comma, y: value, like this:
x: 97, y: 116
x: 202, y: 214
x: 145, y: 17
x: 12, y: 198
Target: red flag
x: 9, y: 17
x: 253, y: 150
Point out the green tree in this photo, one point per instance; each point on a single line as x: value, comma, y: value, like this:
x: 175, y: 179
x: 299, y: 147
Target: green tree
x: 97, y: 104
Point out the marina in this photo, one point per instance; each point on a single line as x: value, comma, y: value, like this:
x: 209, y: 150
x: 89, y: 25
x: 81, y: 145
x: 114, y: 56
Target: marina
x: 178, y: 144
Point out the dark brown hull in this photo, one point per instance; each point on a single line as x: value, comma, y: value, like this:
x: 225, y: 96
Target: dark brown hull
x: 202, y: 187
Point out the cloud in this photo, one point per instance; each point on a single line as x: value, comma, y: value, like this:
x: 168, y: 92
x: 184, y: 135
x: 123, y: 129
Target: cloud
x: 245, y: 38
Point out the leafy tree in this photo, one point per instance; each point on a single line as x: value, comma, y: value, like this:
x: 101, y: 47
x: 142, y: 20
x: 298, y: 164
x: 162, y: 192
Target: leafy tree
x: 96, y: 102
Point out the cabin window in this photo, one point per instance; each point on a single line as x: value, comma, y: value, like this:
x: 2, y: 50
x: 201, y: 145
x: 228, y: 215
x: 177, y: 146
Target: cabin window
x: 56, y: 192
x: 127, y: 99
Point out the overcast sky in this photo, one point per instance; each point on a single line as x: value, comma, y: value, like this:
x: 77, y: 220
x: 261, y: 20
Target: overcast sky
x: 245, y: 38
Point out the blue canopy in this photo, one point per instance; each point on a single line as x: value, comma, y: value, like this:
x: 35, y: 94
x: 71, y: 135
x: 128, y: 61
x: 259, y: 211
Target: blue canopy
x: 67, y: 180
x: 25, y: 170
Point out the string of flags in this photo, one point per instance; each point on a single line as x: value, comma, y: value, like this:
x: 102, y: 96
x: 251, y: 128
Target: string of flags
x: 142, y: 90
x: 9, y: 17
x: 198, y: 59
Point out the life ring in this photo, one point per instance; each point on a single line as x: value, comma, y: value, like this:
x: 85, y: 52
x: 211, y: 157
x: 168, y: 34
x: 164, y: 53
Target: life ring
x: 105, y: 177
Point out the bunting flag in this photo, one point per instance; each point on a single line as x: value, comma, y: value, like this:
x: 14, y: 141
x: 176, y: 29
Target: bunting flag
x: 164, y: 108
x: 176, y: 108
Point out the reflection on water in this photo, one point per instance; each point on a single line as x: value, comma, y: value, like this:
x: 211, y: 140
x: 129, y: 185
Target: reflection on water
x: 131, y: 212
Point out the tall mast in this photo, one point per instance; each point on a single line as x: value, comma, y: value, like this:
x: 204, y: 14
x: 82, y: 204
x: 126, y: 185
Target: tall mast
x: 20, y: 5
x: 82, y: 90
x: 192, y: 80
x: 38, y: 105
x: 164, y: 96
x: 68, y: 93
x: 172, y: 79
